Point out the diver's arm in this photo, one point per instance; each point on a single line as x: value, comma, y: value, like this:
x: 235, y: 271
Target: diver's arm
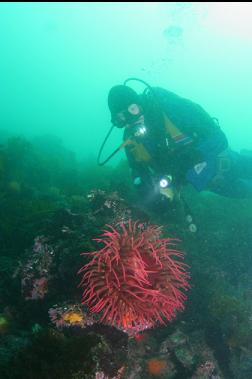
x: 144, y: 182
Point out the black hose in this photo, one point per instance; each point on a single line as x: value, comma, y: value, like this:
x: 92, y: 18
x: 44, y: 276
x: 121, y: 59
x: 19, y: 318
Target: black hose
x: 138, y: 80
x: 102, y: 146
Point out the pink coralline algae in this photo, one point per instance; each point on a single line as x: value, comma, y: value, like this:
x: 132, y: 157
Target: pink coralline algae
x: 101, y: 375
x: 137, y: 279
x: 207, y: 370
x: 35, y: 273
x: 39, y: 288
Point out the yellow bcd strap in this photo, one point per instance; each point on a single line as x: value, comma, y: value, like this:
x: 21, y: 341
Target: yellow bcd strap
x: 138, y: 150
x: 171, y: 129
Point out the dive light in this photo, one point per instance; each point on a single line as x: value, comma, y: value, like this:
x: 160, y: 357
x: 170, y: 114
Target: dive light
x: 165, y: 181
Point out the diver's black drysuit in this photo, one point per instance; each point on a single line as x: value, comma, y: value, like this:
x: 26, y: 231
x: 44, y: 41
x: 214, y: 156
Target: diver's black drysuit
x: 183, y: 141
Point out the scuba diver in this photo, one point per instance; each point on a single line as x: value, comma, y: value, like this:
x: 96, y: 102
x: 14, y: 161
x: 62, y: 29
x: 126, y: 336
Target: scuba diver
x: 170, y: 142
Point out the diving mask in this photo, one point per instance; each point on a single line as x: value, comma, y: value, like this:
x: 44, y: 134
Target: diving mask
x: 130, y: 116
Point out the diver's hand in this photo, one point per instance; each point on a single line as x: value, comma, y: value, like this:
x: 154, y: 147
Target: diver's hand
x: 168, y: 193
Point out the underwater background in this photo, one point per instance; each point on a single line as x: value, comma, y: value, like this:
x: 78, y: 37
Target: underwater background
x: 58, y: 62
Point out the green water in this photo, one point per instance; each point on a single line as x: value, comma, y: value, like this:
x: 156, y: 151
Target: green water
x: 59, y: 60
